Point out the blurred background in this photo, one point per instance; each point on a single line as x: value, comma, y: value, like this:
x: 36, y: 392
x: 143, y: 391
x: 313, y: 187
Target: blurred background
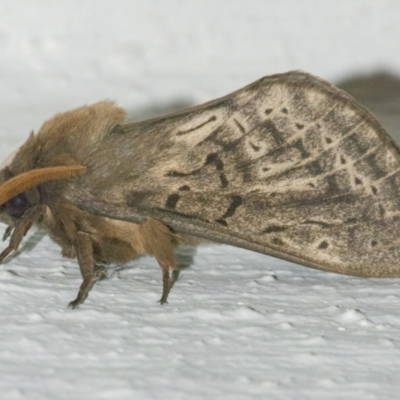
x: 156, y: 56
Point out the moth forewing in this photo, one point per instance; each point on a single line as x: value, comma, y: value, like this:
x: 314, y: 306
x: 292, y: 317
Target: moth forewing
x: 289, y: 166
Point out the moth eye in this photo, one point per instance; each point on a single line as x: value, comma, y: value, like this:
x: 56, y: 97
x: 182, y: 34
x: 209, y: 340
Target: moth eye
x: 17, y: 206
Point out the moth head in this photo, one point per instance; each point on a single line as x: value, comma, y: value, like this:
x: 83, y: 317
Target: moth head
x: 20, y: 193
x: 13, y: 209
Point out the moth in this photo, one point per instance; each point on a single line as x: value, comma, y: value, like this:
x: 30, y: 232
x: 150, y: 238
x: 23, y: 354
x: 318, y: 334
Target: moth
x: 288, y: 166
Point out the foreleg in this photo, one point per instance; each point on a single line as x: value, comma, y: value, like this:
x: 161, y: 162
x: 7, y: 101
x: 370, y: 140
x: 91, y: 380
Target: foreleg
x: 87, y: 266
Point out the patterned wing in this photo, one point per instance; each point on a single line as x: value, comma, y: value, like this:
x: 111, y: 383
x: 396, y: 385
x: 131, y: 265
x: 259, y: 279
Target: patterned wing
x: 289, y: 166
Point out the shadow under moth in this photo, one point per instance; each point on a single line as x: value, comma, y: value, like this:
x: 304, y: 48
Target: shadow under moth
x: 288, y: 166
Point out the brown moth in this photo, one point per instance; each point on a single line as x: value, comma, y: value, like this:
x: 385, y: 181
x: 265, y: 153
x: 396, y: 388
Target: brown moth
x: 288, y: 166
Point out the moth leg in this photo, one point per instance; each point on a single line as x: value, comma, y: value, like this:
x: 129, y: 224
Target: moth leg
x: 21, y: 229
x: 7, y: 232
x: 184, y: 256
x: 90, y: 275
x: 167, y: 284
x: 101, y: 271
x: 174, y: 278
x: 160, y: 242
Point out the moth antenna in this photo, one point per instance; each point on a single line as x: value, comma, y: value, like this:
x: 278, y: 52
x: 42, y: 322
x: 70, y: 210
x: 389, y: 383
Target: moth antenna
x: 30, y: 179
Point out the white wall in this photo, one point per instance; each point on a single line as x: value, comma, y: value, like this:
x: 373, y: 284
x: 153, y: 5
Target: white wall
x: 57, y: 55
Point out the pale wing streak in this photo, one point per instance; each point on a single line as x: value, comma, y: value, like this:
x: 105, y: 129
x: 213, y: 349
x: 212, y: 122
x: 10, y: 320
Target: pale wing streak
x: 298, y: 134
x: 256, y: 127
x: 290, y: 184
x: 292, y: 139
x: 311, y: 159
x: 288, y: 141
x: 387, y: 176
x: 321, y: 176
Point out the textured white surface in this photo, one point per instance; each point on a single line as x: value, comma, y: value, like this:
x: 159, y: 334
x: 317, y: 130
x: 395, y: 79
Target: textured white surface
x: 239, y: 325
